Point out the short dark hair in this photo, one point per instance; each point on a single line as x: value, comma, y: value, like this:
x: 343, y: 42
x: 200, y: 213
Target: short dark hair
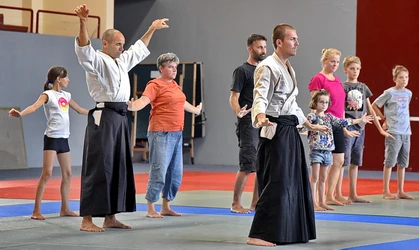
x: 279, y: 32
x: 255, y: 37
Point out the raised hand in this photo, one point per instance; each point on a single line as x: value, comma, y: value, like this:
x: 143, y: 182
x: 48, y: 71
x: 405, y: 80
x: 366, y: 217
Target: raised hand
x: 14, y: 113
x: 82, y: 11
x: 160, y: 24
x: 243, y: 111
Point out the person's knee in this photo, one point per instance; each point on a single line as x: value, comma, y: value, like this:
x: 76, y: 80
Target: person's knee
x: 322, y: 179
x: 338, y: 162
x: 46, y: 175
x: 66, y: 175
x: 314, y: 179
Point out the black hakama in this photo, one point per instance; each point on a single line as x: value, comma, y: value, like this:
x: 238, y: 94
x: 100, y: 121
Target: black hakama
x: 284, y: 213
x: 107, y: 177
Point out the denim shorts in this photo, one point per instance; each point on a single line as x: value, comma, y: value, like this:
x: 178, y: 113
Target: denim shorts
x: 397, y: 151
x: 354, y: 148
x: 60, y: 145
x: 323, y: 157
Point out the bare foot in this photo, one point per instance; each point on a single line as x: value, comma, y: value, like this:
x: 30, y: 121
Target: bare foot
x: 318, y: 208
x: 344, y: 201
x: 334, y: 202
x: 68, y: 213
x: 37, y: 216
x: 112, y: 222
x: 389, y: 196
x: 259, y: 242
x: 252, y: 207
x: 326, y: 207
x: 358, y: 199
x: 154, y: 214
x: 169, y: 212
x: 404, y: 196
x: 238, y: 209
x: 88, y: 226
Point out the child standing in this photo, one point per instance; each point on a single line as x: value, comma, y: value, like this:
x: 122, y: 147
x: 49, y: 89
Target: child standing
x: 322, y: 144
x: 396, y: 117
x: 55, y: 102
x: 357, y: 104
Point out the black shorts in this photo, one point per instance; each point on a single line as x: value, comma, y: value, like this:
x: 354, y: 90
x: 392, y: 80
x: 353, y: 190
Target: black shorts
x: 248, y: 138
x: 60, y: 145
x: 339, y: 139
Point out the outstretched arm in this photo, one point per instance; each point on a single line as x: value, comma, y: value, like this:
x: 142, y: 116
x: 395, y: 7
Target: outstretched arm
x: 191, y: 109
x: 156, y: 25
x: 138, y: 104
x: 43, y: 98
x: 82, y: 12
x: 77, y: 108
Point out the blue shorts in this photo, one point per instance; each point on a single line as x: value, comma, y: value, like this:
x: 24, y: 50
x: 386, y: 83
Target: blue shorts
x: 60, y: 145
x: 354, y: 148
x: 323, y: 157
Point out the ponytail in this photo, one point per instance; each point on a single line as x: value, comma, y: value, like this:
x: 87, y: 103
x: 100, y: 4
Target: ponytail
x: 47, y: 85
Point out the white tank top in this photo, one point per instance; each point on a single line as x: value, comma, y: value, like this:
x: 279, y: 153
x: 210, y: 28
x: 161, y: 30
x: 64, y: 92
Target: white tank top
x: 56, y: 112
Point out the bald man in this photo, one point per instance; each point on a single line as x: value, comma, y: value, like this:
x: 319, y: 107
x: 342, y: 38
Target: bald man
x: 107, y: 178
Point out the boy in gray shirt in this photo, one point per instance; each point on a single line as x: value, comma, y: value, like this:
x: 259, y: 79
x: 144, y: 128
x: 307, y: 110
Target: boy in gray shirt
x: 396, y: 119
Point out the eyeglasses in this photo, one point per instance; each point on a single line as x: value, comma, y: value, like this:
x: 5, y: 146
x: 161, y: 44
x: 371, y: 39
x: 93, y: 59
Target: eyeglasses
x: 324, y: 102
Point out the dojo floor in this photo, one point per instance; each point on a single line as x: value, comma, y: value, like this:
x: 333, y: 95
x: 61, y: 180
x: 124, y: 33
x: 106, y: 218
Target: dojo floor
x: 204, y: 200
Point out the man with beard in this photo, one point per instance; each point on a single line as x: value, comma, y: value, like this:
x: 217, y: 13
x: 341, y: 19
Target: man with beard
x: 241, y: 99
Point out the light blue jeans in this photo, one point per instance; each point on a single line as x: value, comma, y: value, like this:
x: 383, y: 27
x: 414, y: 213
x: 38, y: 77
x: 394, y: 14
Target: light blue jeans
x: 166, y: 165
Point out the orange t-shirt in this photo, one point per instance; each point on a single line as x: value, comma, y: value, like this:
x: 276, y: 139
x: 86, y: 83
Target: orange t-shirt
x: 167, y: 105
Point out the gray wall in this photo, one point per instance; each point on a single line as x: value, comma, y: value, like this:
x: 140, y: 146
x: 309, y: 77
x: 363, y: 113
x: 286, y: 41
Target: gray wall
x: 25, y: 60
x: 214, y: 32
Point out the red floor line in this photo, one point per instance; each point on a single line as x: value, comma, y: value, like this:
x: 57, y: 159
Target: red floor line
x: 25, y: 189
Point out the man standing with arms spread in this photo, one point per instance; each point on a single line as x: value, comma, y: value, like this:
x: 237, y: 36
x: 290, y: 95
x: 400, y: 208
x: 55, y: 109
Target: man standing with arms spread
x: 284, y: 212
x: 107, y: 178
x: 241, y: 98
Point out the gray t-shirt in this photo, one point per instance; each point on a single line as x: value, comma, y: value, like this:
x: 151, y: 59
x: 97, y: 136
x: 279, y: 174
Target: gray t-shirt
x: 356, y: 96
x: 396, y: 110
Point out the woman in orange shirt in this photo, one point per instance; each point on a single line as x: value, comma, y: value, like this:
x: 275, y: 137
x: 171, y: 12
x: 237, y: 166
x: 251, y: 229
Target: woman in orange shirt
x: 168, y: 104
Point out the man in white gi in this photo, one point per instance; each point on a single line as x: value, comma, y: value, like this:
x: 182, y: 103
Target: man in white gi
x: 284, y: 213
x: 107, y: 178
